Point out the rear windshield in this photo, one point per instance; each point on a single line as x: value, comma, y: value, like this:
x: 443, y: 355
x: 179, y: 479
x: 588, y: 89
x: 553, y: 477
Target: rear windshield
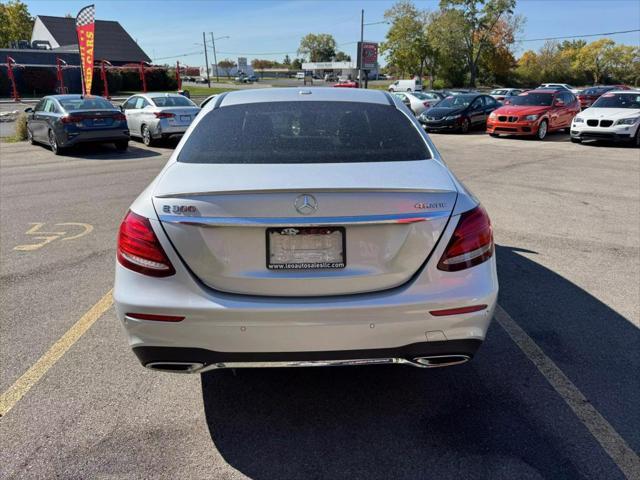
x: 304, y: 132
x: 533, y: 99
x: 618, y: 100
x: 87, y: 103
x: 596, y: 91
x: 177, y: 101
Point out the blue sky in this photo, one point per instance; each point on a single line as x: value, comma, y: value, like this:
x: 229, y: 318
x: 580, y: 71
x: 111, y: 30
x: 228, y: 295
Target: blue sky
x: 269, y: 29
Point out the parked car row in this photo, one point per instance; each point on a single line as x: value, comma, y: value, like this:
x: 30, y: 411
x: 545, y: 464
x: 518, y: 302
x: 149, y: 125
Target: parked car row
x: 613, y: 115
x: 62, y: 121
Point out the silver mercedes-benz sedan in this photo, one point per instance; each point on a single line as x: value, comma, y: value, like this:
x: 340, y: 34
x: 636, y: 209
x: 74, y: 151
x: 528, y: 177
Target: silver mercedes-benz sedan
x: 303, y: 227
x: 155, y: 116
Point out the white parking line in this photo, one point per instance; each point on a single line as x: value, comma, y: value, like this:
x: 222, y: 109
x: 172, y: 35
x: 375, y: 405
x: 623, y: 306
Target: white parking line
x: 615, y: 446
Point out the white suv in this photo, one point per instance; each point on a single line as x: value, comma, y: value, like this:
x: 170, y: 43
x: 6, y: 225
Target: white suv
x: 613, y: 116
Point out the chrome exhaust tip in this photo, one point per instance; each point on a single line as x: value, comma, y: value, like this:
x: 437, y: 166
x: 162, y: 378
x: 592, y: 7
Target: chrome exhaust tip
x: 175, y: 367
x: 435, y: 361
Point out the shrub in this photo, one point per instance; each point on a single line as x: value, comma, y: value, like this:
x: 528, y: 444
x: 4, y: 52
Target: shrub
x: 37, y: 80
x: 21, y: 128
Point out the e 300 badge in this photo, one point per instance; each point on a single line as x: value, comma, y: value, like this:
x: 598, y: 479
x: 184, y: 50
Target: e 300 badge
x: 180, y: 209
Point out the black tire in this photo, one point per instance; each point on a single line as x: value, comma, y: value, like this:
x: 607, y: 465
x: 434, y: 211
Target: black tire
x: 53, y: 143
x: 494, y: 135
x: 465, y: 126
x: 146, y: 136
x: 122, y: 145
x: 543, y: 129
x: 637, y: 142
x: 30, y: 136
x: 575, y: 140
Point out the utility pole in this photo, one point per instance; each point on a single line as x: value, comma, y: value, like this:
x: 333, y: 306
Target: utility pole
x: 206, y: 58
x: 215, y: 59
x: 359, y: 57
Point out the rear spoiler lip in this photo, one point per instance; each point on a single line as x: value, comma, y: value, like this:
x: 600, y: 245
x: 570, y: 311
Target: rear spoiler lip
x: 298, y: 190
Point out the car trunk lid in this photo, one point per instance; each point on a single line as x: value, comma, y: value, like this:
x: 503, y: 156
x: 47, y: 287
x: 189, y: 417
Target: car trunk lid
x: 227, y: 223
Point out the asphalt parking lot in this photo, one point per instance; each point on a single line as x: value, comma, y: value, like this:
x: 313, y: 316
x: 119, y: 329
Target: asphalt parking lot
x: 552, y: 394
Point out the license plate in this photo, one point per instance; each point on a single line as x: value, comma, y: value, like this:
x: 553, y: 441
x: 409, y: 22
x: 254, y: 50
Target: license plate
x: 98, y: 121
x: 304, y: 248
x: 185, y: 118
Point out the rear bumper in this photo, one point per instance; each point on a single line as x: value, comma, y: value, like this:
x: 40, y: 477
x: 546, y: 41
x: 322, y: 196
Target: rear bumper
x: 68, y: 139
x: 222, y: 328
x: 197, y: 359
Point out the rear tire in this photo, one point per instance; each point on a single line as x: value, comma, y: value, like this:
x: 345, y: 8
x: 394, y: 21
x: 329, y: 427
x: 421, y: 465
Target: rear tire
x: 541, y: 134
x: 53, y: 143
x: 637, y: 142
x: 494, y: 135
x: 146, y: 136
x: 122, y: 145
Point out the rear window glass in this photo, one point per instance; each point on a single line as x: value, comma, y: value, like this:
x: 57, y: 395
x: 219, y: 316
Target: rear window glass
x: 177, y: 101
x: 304, y: 132
x: 87, y: 103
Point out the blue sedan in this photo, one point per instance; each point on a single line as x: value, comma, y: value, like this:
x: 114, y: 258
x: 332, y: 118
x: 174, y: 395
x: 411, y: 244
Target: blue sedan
x: 62, y: 121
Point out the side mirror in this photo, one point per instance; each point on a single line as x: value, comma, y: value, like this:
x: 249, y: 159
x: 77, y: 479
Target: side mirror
x: 28, y: 110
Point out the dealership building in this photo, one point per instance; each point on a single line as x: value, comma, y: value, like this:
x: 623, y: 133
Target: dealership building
x: 343, y: 69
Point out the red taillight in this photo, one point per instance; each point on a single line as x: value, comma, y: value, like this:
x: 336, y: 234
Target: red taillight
x: 471, y: 242
x: 71, y: 119
x: 456, y: 311
x: 120, y: 117
x: 155, y: 318
x: 139, y: 249
x: 163, y: 115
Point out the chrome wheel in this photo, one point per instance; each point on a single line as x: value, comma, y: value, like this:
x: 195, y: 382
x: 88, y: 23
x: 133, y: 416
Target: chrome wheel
x: 542, y: 130
x: 53, y: 143
x: 146, y: 136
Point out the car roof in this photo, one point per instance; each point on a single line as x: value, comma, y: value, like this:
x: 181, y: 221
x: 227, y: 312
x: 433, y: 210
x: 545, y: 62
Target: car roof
x: 71, y: 96
x: 160, y: 94
x: 545, y: 90
x: 318, y: 94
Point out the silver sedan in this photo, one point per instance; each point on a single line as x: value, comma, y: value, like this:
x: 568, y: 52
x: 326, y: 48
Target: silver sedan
x: 154, y: 116
x: 305, y: 227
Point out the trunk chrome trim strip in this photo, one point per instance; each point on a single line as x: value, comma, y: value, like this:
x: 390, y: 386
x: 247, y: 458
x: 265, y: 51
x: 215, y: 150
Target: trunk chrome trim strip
x: 306, y: 221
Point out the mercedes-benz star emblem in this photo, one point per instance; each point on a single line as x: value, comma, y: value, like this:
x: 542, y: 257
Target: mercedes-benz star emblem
x: 306, y: 204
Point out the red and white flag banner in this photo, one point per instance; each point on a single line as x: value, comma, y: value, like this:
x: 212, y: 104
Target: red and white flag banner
x: 85, y: 28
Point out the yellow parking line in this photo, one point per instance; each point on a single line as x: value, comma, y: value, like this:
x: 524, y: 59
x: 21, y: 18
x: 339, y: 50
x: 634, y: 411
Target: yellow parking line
x: 21, y: 386
x: 608, y: 438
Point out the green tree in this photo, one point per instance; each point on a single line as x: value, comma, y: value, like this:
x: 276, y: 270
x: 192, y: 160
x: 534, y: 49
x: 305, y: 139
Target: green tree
x: 342, y: 57
x: 16, y: 22
x: 625, y: 65
x: 227, y: 65
x: 597, y: 59
x: 286, y: 61
x: 318, y: 47
x: 296, y: 64
x: 479, y: 21
x: 260, y: 64
x: 447, y: 64
x: 406, y: 46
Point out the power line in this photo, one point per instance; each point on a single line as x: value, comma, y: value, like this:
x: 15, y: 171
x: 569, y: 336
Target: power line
x: 580, y: 36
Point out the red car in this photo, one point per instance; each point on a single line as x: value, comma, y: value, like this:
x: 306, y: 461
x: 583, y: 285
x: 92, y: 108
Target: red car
x: 534, y: 113
x: 347, y: 84
x: 590, y: 95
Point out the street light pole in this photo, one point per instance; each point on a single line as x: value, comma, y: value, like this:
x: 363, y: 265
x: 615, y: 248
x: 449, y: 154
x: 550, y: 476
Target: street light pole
x: 359, y: 57
x: 206, y: 59
x: 215, y: 59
